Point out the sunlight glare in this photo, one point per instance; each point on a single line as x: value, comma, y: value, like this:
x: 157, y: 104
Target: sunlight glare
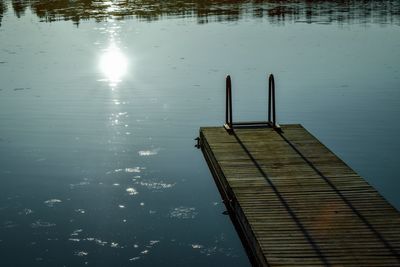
x: 113, y: 64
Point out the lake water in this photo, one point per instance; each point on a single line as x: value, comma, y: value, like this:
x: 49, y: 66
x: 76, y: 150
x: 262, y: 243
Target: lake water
x: 100, y: 103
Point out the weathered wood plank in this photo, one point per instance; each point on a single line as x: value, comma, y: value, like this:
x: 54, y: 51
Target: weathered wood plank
x: 295, y: 203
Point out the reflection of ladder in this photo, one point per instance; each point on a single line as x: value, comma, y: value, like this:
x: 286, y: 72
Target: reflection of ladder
x: 230, y: 125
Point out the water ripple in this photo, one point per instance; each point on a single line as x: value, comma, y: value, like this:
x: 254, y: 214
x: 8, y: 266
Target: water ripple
x: 132, y: 191
x: 155, y: 185
x: 52, y: 202
x: 183, y: 213
x: 40, y: 223
x: 150, y: 152
x: 25, y: 212
x: 81, y: 253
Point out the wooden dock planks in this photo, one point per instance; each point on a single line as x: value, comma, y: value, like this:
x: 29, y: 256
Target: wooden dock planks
x: 295, y: 203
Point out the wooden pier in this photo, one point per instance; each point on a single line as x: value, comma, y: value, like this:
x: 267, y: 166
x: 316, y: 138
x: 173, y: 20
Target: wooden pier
x: 295, y: 203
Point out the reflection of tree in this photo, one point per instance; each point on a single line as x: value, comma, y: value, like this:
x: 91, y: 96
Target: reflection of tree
x: 3, y: 9
x: 19, y: 7
x: 68, y: 10
x: 277, y: 11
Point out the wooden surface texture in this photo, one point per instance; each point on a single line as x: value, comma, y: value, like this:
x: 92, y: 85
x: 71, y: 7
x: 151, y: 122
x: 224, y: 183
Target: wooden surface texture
x: 295, y: 203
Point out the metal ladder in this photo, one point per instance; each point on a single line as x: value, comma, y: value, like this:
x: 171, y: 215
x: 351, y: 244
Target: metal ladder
x: 230, y: 125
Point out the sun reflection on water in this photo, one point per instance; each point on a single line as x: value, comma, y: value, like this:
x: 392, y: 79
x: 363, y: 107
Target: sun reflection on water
x: 113, y: 64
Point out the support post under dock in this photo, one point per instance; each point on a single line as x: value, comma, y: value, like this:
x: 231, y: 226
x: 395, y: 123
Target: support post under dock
x: 295, y: 203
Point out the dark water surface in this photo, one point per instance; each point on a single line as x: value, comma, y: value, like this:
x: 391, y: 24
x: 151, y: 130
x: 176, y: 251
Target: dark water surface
x: 98, y: 111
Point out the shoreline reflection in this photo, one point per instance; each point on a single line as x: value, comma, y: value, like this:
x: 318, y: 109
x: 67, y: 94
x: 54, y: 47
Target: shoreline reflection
x: 277, y: 12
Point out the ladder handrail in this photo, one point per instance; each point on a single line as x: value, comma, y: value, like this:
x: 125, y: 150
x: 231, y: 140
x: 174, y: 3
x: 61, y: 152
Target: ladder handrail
x: 271, y: 100
x: 228, y: 107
